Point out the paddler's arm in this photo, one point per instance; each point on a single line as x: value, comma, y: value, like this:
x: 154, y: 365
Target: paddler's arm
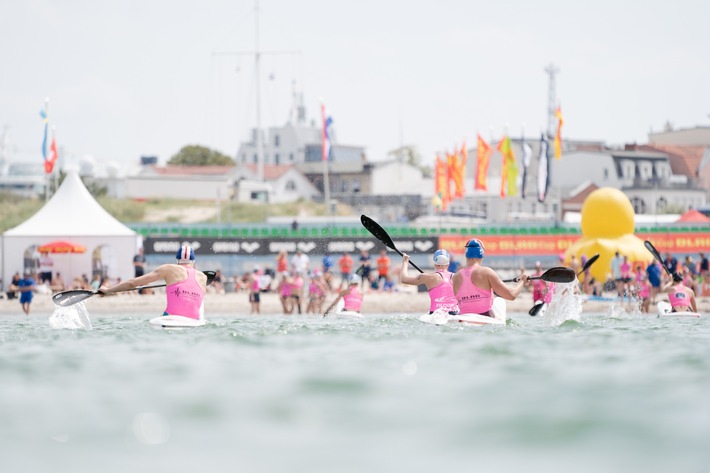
x: 156, y: 275
x: 501, y: 289
x: 420, y: 278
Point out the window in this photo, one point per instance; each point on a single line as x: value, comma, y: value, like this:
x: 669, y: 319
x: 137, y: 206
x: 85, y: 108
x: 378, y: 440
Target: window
x: 356, y: 185
x: 277, y: 140
x: 606, y: 174
x: 277, y: 158
x: 290, y: 186
x: 639, y: 205
x: 256, y: 158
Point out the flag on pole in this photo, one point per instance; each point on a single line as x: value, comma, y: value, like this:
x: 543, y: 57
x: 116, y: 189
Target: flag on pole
x: 483, y: 156
x: 509, y: 169
x: 543, y: 169
x: 45, y: 119
x: 457, y: 170
x: 527, y: 157
x: 327, y: 142
x: 558, y: 135
x: 52, y: 159
x: 461, y: 175
x: 441, y: 182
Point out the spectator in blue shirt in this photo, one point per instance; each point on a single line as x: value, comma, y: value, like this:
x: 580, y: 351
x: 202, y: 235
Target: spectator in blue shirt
x: 25, y: 287
x: 653, y: 271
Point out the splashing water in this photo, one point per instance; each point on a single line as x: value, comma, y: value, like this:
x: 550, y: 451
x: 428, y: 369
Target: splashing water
x: 566, y: 305
x: 73, y: 317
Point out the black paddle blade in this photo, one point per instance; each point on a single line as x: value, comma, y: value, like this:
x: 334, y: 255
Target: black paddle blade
x: 559, y: 274
x: 378, y: 232
x: 382, y: 235
x: 210, y: 276
x: 536, y: 308
x: 588, y: 264
x: 71, y: 297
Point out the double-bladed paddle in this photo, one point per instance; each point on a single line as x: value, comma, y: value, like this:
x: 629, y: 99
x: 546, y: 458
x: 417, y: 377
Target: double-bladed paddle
x: 649, y: 246
x: 74, y: 296
x: 538, y: 306
x: 382, y: 235
x: 557, y: 274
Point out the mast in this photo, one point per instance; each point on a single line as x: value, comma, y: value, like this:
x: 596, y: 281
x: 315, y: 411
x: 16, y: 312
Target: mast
x: 551, y: 98
x: 257, y: 68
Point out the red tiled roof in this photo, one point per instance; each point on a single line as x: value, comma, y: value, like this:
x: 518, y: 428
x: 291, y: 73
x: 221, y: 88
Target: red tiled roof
x: 684, y: 160
x: 192, y: 170
x: 271, y: 171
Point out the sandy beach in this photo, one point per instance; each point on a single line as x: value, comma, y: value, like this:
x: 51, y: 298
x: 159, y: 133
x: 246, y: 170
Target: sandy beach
x: 405, y: 301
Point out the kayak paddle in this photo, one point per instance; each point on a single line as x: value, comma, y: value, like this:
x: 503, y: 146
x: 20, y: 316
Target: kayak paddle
x: 382, y: 235
x: 557, y: 274
x: 74, y: 296
x: 535, y: 309
x: 649, y: 246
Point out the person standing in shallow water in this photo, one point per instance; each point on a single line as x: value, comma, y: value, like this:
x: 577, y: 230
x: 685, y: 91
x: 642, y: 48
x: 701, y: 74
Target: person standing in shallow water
x: 25, y: 286
x: 475, y: 284
x: 185, y: 286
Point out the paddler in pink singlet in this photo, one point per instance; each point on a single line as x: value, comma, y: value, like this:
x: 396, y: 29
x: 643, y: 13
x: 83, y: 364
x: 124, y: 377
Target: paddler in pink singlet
x: 681, y: 297
x: 351, y: 295
x: 475, y: 285
x: 438, y: 283
x: 185, y: 287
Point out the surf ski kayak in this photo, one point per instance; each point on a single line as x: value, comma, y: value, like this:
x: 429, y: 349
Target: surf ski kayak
x: 442, y: 318
x: 665, y: 310
x: 176, y: 321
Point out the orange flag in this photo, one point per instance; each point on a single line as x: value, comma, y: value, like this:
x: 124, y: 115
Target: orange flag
x: 558, y: 135
x: 457, y: 167
x: 441, y: 182
x: 461, y: 175
x: 483, y: 157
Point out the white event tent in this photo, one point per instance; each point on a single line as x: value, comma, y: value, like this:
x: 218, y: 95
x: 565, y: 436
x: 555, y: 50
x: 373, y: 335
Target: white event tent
x: 72, y: 214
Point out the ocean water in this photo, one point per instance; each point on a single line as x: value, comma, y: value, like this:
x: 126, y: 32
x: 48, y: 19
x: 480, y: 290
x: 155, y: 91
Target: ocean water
x: 606, y: 392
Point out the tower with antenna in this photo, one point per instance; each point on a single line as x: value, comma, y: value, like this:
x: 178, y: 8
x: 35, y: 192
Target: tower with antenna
x: 551, y: 71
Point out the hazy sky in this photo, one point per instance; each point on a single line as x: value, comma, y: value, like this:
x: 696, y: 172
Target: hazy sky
x: 131, y: 78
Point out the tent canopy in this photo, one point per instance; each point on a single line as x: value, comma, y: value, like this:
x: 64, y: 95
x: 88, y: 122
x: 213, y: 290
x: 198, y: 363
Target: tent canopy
x: 693, y: 216
x: 72, y: 211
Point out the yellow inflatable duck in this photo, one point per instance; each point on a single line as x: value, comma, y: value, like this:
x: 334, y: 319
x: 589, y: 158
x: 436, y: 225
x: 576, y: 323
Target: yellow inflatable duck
x: 608, y: 227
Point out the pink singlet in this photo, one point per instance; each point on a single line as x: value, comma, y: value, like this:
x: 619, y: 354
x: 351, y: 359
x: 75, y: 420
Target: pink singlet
x: 442, y: 296
x: 472, y: 299
x: 353, y: 299
x: 185, y: 297
x: 679, y: 298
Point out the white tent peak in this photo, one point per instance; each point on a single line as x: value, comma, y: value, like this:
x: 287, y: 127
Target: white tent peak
x: 72, y: 211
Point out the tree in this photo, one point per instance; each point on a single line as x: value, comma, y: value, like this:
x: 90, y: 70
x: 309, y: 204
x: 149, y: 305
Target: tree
x: 195, y: 155
x: 410, y: 155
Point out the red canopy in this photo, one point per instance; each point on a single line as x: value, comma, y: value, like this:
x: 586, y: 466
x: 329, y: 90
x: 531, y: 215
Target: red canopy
x: 693, y: 215
x: 61, y: 247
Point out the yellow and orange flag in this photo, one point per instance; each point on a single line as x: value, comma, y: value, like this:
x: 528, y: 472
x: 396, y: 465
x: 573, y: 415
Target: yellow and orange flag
x: 558, y: 135
x: 483, y: 157
x: 457, y: 170
x: 509, y: 169
x: 441, y: 182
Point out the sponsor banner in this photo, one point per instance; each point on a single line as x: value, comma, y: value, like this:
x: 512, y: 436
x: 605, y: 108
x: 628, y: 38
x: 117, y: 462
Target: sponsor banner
x: 679, y: 242
x: 269, y: 246
x: 511, y: 245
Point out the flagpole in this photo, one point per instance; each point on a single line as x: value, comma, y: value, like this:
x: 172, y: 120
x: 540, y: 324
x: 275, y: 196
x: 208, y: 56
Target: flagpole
x: 44, y: 150
x: 325, y: 158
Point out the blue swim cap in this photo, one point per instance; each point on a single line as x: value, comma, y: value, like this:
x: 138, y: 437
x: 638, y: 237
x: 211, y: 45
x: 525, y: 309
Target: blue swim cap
x: 474, y: 248
x: 185, y: 253
x: 442, y: 257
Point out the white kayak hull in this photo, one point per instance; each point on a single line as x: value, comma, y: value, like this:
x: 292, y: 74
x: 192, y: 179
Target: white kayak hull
x: 665, y: 310
x: 443, y: 318
x: 341, y: 312
x: 176, y: 321
x: 347, y: 313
